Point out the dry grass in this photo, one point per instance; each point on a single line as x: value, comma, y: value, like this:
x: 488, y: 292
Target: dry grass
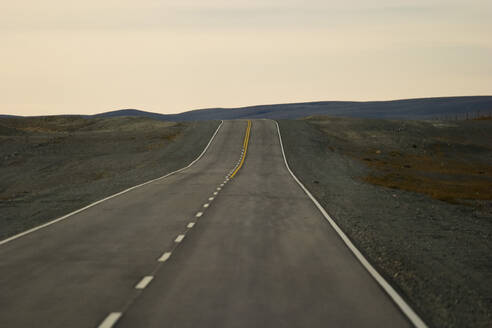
x: 434, y: 175
x: 483, y: 118
x: 170, y: 137
x: 447, y: 161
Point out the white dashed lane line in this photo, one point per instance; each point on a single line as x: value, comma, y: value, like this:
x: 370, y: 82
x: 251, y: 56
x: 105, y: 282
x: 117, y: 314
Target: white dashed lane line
x: 144, y: 282
x: 113, y: 317
x: 110, y: 320
x: 165, y: 257
x: 179, y: 238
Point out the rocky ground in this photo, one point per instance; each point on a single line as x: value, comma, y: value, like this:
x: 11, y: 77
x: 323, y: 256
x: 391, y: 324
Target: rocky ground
x: 416, y: 199
x: 54, y: 165
x: 414, y: 196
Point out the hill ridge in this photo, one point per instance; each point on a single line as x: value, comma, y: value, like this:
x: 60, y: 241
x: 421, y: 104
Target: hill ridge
x: 415, y: 108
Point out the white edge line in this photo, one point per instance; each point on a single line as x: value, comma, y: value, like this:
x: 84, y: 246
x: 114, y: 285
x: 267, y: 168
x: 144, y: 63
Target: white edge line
x: 110, y: 320
x: 144, y: 282
x: 44, y: 225
x: 404, y: 307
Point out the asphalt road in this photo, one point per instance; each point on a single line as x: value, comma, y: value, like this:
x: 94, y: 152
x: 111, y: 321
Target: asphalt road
x: 259, y: 254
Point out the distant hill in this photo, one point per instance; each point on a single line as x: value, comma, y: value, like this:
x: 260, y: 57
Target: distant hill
x: 131, y: 112
x: 8, y: 116
x: 422, y: 108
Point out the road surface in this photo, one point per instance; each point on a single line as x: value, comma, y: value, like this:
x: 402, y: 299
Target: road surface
x: 196, y: 250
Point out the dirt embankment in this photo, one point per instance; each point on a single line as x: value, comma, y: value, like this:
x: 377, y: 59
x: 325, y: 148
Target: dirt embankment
x: 415, y: 197
x: 51, y: 166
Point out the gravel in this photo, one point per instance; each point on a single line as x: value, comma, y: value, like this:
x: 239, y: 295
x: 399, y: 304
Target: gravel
x: 55, y: 165
x: 436, y: 254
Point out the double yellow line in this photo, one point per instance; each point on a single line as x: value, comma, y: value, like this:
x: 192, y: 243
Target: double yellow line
x: 245, y: 149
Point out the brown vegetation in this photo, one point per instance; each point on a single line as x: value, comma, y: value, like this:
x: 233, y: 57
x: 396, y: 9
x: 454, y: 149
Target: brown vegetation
x: 443, y: 179
x: 449, y: 161
x: 483, y: 118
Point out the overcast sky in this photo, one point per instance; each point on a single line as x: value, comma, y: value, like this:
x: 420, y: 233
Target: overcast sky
x: 168, y: 56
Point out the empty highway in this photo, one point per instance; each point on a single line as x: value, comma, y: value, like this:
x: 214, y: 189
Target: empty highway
x: 231, y: 241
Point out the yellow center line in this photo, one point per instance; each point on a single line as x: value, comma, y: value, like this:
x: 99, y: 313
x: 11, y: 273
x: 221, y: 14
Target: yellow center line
x: 245, y: 146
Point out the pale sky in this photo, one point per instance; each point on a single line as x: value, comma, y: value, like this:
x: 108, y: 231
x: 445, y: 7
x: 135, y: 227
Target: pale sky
x: 168, y: 56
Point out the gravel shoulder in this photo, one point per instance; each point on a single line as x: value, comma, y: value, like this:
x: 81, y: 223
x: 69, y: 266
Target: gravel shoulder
x: 433, y: 248
x: 54, y: 165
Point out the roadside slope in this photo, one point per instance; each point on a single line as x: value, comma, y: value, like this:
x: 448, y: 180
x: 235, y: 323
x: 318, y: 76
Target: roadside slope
x: 52, y: 166
x: 436, y: 253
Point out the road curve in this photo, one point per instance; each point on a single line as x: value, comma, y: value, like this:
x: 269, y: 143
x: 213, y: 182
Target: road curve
x: 196, y: 250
